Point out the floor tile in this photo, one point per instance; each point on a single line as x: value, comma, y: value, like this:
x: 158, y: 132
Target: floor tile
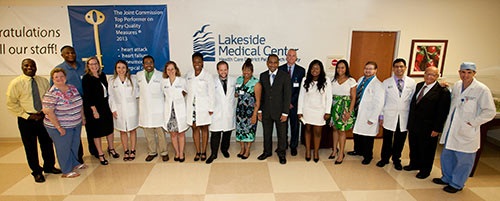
x: 300, y: 177
x: 176, y: 178
x: 32, y: 198
x: 440, y: 195
x: 352, y: 175
x: 382, y: 195
x: 13, y: 173
x: 240, y: 197
x: 487, y: 193
x: 311, y: 196
x: 7, y: 147
x: 99, y: 197
x: 233, y: 178
x: 169, y: 197
x: 54, y: 184
x: 114, y: 179
x: 408, y: 180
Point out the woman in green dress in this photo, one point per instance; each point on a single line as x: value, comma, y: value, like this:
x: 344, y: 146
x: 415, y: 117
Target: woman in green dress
x: 344, y: 91
x: 248, y: 91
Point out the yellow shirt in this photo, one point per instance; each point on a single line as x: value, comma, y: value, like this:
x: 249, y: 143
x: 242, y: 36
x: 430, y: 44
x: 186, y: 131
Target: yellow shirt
x: 19, y: 97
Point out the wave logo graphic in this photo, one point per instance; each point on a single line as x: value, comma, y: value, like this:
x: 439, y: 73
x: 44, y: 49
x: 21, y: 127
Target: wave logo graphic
x: 204, y: 42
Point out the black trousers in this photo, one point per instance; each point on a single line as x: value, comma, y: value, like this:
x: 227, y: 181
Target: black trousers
x: 357, y: 146
x: 366, y: 146
x: 294, y: 128
x: 393, y: 144
x: 422, y: 150
x: 215, y: 141
x: 32, y: 130
x: 268, y: 124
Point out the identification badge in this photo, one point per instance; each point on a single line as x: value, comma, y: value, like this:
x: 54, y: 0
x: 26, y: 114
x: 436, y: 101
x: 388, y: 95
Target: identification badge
x: 296, y: 84
x: 241, y: 92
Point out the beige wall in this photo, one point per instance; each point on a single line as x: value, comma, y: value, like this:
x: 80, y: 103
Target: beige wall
x: 471, y: 28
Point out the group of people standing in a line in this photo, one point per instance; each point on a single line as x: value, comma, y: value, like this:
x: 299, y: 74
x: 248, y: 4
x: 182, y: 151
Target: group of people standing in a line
x: 165, y: 101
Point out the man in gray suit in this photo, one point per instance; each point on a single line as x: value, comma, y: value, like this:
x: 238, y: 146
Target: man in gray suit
x: 275, y: 106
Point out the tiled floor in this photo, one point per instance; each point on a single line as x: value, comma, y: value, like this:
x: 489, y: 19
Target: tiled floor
x: 235, y: 179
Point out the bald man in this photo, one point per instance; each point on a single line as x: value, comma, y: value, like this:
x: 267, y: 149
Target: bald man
x: 428, y: 110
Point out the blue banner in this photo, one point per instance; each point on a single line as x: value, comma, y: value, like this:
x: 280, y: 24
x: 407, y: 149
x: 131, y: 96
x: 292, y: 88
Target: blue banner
x: 112, y: 33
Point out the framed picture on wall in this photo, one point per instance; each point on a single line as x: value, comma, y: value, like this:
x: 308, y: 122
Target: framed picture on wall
x: 426, y: 53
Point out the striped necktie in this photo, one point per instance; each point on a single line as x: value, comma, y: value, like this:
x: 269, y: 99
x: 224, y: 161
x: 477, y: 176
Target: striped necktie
x: 359, y: 94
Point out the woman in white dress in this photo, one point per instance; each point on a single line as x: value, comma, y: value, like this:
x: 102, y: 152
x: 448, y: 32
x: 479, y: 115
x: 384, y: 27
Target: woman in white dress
x: 343, y: 91
x: 123, y: 94
x: 314, y: 105
x: 174, y: 89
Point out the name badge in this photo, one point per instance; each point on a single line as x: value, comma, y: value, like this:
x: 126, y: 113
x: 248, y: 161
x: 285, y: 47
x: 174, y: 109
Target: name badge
x: 241, y: 92
x: 296, y: 84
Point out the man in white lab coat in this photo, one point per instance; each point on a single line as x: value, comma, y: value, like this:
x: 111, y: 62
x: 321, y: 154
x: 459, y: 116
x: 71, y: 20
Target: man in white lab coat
x: 399, y: 90
x: 224, y: 116
x: 367, y: 108
x: 471, y: 106
x: 151, y: 102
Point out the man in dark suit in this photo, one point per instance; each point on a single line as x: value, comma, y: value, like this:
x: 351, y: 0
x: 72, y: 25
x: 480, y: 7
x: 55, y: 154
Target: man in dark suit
x: 296, y: 74
x: 428, y: 110
x: 274, y: 107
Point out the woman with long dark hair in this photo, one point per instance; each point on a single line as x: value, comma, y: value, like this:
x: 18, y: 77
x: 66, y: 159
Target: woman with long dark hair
x: 343, y: 91
x: 314, y: 105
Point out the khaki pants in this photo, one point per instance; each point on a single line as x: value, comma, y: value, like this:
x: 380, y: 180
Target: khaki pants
x: 151, y: 135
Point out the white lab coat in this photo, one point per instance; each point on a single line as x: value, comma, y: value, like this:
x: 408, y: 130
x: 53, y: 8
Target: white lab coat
x: 370, y: 107
x: 475, y: 106
x: 123, y: 101
x: 151, y: 100
x: 397, y: 106
x: 173, y: 94
x: 202, y: 87
x: 224, y: 116
x: 313, y: 104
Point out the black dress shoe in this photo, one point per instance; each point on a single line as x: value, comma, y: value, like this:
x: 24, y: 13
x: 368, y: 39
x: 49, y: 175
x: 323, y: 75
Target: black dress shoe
x: 439, y: 181
x: 451, y: 189
x: 381, y: 163
x: 293, y: 151
x: 366, y: 161
x: 225, y: 154
x: 422, y: 175
x: 53, y: 170
x: 263, y: 156
x: 353, y: 153
x: 210, y: 159
x: 165, y: 158
x: 282, y: 160
x: 398, y: 166
x: 410, y: 168
x: 39, y: 178
x: 151, y: 157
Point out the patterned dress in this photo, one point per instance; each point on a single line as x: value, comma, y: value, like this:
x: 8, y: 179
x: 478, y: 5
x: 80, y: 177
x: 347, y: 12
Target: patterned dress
x: 340, y: 104
x: 245, y: 130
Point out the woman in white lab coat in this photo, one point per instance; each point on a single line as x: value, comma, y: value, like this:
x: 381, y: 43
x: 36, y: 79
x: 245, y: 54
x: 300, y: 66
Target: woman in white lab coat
x: 174, y: 89
x: 123, y: 93
x: 314, y: 105
x: 199, y: 104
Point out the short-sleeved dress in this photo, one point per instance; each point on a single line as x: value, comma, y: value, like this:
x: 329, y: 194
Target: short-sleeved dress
x: 341, y: 102
x: 245, y: 130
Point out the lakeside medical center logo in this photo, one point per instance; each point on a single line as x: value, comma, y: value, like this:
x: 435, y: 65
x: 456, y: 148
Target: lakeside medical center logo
x: 234, y: 48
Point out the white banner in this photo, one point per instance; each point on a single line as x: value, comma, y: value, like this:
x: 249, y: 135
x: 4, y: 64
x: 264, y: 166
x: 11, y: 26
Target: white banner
x: 32, y: 32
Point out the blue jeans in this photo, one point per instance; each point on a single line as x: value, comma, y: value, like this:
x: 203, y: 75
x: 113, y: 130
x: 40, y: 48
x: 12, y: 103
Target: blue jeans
x: 66, y: 147
x: 456, y: 167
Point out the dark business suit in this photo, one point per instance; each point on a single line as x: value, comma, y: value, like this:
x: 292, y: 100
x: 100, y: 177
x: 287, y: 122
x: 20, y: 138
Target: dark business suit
x: 275, y: 101
x: 426, y: 116
x: 295, y: 79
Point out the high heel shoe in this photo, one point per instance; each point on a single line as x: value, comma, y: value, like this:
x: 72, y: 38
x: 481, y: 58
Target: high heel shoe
x: 197, y: 157
x: 103, y: 161
x: 126, y: 155
x: 316, y: 160
x: 176, y: 158
x: 113, y: 153
x: 340, y: 162
x: 332, y: 156
x: 203, y: 156
x: 131, y: 158
x: 308, y: 158
x: 245, y: 157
